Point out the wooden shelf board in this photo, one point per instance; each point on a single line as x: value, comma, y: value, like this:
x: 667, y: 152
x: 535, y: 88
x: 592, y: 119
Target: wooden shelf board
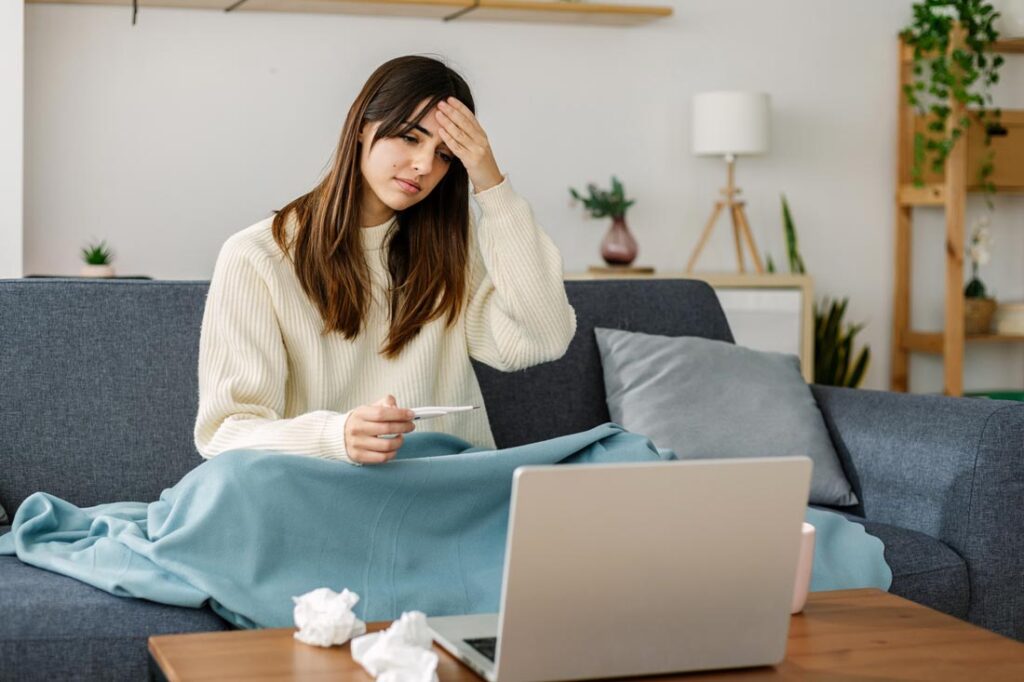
x: 143, y: 4
x: 931, y: 342
x: 923, y: 342
x: 993, y: 338
x: 935, y: 194
x: 551, y: 11
x: 1009, y: 46
x: 927, y: 195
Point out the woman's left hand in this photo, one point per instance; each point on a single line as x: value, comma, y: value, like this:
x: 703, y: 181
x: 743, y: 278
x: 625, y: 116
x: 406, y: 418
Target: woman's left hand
x: 462, y: 132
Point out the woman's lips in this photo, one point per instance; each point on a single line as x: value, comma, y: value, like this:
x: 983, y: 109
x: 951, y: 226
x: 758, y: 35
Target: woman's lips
x: 406, y: 187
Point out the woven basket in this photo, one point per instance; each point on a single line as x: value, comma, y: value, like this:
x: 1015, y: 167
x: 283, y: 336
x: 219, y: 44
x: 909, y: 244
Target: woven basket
x: 978, y: 315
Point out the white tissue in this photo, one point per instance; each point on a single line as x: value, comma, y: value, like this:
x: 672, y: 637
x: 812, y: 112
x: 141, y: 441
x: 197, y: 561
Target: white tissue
x: 402, y: 653
x: 325, y: 618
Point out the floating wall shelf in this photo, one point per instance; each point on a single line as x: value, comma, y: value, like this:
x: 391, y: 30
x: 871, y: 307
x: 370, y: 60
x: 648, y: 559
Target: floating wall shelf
x: 552, y: 11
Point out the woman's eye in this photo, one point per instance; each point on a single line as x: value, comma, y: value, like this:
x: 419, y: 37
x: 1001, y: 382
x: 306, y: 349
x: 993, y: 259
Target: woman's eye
x: 445, y: 157
x: 409, y: 138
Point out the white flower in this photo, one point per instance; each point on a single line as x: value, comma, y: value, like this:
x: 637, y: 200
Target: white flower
x: 980, y: 248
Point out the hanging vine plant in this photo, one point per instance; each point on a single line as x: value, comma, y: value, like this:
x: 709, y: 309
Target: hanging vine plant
x: 966, y: 74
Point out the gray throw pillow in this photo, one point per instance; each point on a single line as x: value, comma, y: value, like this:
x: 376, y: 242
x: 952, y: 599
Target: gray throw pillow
x: 713, y: 399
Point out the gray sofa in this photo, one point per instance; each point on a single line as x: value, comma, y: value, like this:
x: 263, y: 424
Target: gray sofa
x: 98, y: 396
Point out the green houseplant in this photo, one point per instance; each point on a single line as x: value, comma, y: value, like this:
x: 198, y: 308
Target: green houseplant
x: 97, y: 258
x: 618, y: 246
x: 966, y: 74
x: 836, y: 362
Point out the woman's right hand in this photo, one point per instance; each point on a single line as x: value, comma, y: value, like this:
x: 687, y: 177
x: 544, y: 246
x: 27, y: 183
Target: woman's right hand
x: 366, y: 423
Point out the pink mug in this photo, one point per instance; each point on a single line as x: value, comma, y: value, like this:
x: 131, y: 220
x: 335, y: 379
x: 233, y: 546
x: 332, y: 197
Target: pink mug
x: 803, y: 568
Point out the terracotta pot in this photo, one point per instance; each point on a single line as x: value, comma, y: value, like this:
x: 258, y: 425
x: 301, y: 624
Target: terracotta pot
x: 97, y: 271
x: 618, y: 246
x: 978, y: 315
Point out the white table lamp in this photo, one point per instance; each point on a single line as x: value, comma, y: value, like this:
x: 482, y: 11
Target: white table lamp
x: 730, y: 124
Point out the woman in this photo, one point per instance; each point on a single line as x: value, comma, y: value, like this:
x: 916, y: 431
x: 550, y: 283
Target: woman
x: 380, y: 281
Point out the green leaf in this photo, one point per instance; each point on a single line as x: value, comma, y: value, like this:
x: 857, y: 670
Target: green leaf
x: 857, y: 375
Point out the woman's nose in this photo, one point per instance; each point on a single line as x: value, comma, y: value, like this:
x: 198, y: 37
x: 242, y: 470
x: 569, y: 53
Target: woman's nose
x: 423, y: 161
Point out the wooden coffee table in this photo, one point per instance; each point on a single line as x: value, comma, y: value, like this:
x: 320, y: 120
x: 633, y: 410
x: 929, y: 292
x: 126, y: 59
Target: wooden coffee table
x: 843, y: 635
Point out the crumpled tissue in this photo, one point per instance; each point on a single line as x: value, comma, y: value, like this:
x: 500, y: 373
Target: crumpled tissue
x: 325, y: 618
x: 402, y: 653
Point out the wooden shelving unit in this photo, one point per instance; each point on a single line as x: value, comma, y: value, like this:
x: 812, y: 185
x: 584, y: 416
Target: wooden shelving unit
x: 541, y: 11
x: 949, y: 192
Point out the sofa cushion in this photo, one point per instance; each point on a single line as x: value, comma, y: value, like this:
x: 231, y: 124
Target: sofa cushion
x: 54, y: 627
x: 924, y: 570
x: 99, y: 388
x: 703, y: 398
x: 567, y: 395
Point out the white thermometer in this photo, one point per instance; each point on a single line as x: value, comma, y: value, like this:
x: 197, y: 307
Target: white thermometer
x: 432, y: 412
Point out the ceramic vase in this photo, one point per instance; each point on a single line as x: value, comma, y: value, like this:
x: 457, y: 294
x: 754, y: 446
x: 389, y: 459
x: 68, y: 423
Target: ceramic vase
x: 618, y: 246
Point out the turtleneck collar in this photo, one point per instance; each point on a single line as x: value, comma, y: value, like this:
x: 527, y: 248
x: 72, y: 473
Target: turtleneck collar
x: 373, y: 237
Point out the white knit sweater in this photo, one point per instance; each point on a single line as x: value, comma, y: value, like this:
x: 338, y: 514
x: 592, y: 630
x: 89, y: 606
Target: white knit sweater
x: 269, y: 380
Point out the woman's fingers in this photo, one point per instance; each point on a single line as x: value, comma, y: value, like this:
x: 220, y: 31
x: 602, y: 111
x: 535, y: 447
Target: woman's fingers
x: 376, y: 444
x: 458, y: 148
x: 368, y: 457
x: 381, y: 413
x: 382, y: 428
x: 366, y: 426
x: 454, y: 132
x: 460, y: 114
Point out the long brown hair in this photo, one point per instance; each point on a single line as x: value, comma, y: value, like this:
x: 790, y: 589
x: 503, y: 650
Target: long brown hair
x: 428, y: 248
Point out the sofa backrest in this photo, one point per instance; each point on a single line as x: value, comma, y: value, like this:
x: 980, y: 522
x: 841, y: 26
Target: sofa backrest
x: 98, y: 382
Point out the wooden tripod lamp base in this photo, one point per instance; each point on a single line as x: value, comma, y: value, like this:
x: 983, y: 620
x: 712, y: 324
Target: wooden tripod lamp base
x: 740, y: 227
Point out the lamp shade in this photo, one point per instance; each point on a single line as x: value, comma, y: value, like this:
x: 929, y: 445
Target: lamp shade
x: 730, y: 122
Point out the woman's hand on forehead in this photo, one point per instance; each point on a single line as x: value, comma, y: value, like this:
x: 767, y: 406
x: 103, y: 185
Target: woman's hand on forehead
x: 461, y: 131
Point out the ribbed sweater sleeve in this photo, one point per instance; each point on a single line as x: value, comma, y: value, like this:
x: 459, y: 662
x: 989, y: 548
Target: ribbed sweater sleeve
x: 243, y: 369
x: 518, y: 314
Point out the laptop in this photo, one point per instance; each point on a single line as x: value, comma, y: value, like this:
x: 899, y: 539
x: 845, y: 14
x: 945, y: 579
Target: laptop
x: 629, y: 569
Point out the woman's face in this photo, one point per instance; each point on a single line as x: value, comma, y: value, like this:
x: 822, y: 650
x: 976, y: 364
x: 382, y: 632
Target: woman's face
x: 389, y: 166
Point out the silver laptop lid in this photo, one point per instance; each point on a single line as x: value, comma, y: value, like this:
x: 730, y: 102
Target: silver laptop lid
x: 654, y: 567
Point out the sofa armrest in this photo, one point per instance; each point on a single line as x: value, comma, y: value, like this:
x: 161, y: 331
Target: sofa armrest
x: 949, y: 467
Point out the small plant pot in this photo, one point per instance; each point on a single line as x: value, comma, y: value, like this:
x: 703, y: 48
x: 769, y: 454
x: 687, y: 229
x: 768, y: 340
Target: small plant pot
x: 978, y: 315
x: 97, y: 271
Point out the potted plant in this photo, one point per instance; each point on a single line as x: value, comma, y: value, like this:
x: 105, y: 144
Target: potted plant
x: 966, y: 74
x: 835, y: 360
x: 618, y: 246
x: 978, y: 305
x: 98, y: 258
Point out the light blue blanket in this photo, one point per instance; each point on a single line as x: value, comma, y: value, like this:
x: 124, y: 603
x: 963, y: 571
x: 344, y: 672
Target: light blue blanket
x: 247, y: 530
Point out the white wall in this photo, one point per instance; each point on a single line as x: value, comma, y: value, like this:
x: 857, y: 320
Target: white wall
x: 12, y: 64
x: 168, y: 136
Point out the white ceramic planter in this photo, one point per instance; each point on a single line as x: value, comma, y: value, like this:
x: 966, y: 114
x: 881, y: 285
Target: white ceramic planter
x: 97, y: 271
